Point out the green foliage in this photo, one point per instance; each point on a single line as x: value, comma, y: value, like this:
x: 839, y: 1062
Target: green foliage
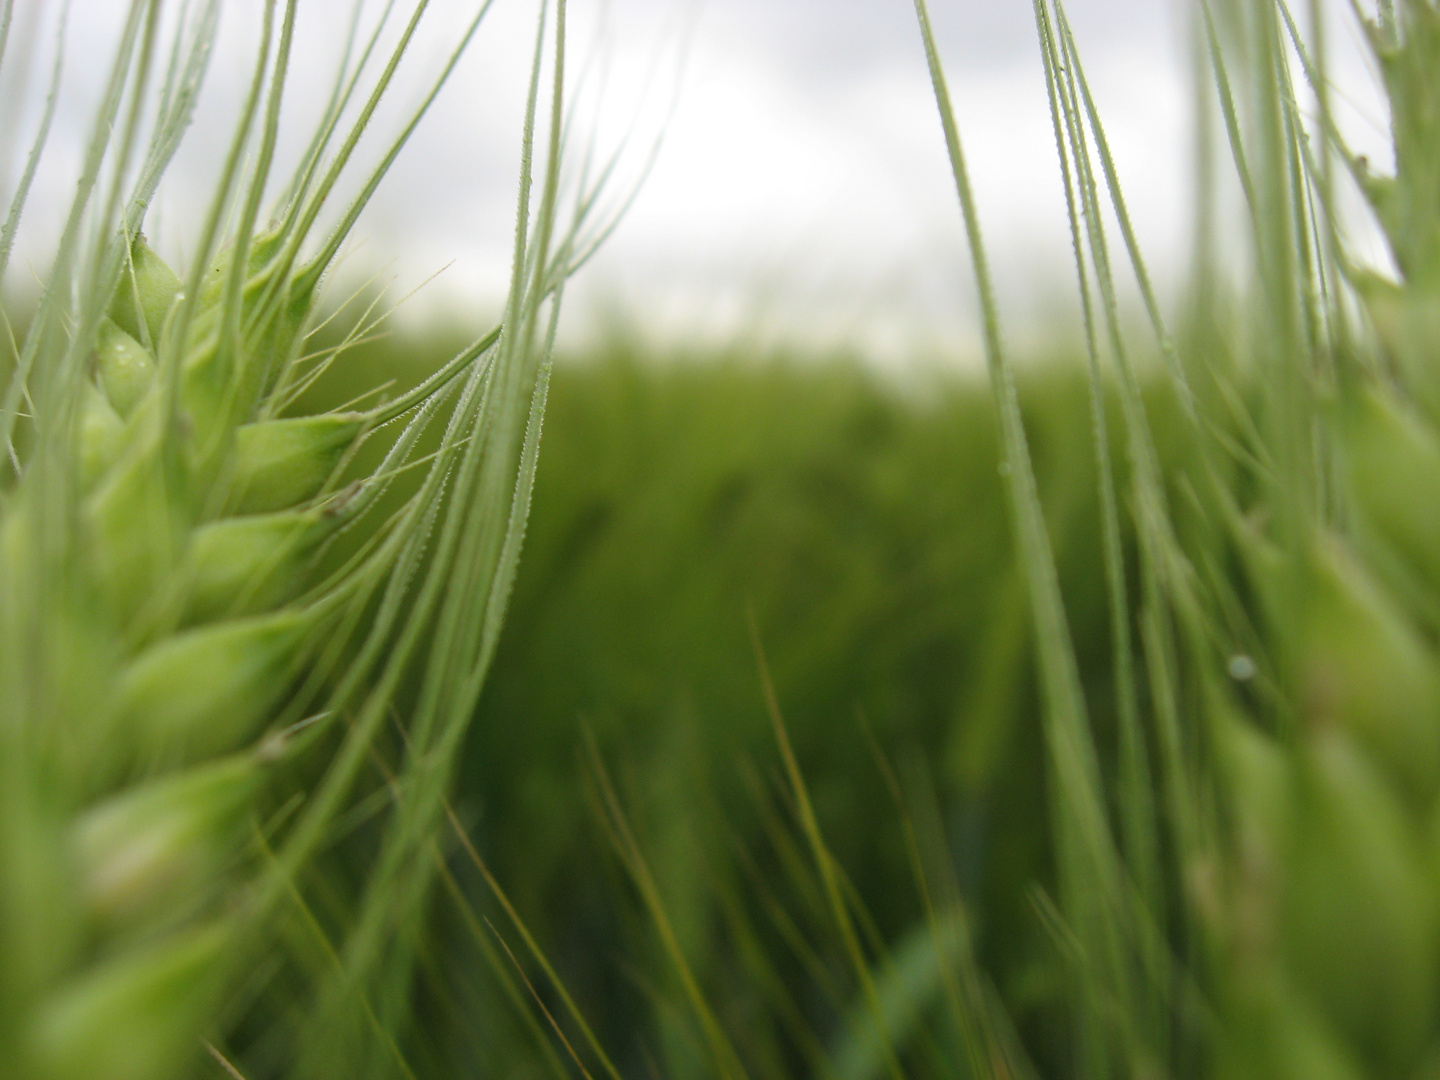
x: 1154, y: 645
x: 862, y: 528
x: 190, y: 692
x: 1079, y: 725
x: 672, y: 504
x: 1277, y: 919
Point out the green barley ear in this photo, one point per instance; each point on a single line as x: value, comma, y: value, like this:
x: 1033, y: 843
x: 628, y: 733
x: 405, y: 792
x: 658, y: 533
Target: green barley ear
x: 101, y: 436
x: 1261, y: 781
x: 159, y: 849
x: 1406, y: 321
x: 1357, y: 663
x: 1389, y: 453
x: 282, y: 463
x: 1356, y: 919
x: 1298, y: 798
x: 1407, y: 204
x: 133, y: 1017
x: 244, y: 565
x: 1330, y: 953
x: 209, y: 690
x: 147, y: 292
x: 137, y: 518
x: 189, y: 693
x: 126, y: 368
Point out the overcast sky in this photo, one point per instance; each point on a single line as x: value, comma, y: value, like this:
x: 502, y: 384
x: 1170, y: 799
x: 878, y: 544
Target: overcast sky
x: 801, y: 187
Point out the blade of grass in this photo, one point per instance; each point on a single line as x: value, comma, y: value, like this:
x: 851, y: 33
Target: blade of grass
x: 727, y: 1061
x: 1089, y: 863
x: 1136, y: 804
x: 824, y: 861
x: 37, y: 147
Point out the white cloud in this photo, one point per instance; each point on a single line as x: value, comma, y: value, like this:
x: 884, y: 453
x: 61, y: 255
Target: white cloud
x: 803, y: 181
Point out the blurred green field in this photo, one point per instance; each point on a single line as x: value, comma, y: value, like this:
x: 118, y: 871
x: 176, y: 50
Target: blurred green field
x: 858, y: 524
x: 1074, y: 720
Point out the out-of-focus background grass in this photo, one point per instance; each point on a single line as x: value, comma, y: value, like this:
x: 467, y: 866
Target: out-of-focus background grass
x: 702, y: 519
x: 690, y: 510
